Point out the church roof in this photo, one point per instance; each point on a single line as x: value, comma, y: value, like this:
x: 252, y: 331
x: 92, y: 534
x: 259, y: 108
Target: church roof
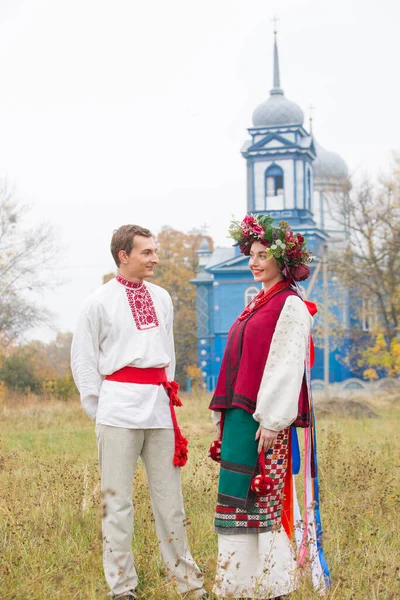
x: 277, y: 110
x: 329, y: 166
x: 220, y: 255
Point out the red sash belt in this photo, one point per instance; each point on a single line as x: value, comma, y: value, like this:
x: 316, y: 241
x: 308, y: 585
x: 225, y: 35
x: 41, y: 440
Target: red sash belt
x: 158, y: 376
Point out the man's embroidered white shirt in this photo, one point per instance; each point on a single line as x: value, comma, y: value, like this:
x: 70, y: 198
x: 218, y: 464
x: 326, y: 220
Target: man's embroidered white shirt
x: 117, y: 328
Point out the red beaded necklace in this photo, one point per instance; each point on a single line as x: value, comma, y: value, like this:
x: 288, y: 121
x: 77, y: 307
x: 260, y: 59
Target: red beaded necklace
x: 262, y: 298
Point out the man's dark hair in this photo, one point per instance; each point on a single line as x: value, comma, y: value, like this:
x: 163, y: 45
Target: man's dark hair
x: 124, y: 238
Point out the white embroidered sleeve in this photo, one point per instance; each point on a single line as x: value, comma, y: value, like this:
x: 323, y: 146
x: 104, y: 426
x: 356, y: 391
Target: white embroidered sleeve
x: 84, y: 360
x: 170, y: 329
x: 277, y: 400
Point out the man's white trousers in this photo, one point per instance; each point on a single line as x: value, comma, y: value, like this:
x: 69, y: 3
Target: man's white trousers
x: 119, y: 450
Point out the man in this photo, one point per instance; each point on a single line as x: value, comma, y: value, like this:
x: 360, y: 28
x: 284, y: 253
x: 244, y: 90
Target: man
x: 123, y: 361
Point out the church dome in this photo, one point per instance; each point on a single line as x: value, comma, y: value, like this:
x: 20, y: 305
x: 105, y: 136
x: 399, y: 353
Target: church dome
x: 329, y: 166
x: 276, y: 111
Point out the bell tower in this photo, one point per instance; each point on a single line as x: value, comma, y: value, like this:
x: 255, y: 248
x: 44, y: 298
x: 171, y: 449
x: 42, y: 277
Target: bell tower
x: 279, y: 158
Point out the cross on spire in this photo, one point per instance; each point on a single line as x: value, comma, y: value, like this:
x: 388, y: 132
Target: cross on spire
x: 275, y: 20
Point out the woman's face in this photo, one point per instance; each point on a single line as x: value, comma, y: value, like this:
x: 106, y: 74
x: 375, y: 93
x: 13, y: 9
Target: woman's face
x: 265, y: 270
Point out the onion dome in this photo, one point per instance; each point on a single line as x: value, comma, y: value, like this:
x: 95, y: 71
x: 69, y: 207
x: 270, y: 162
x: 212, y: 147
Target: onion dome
x: 329, y: 166
x: 277, y: 110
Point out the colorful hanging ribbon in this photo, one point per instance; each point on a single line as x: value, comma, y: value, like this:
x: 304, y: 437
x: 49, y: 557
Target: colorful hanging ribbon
x: 308, y: 532
x: 310, y: 549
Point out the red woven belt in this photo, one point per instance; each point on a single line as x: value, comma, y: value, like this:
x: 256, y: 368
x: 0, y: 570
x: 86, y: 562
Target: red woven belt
x: 158, y: 376
x: 155, y: 376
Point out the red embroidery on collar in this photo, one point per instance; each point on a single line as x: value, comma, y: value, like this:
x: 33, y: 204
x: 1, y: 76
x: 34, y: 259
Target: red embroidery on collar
x: 142, y: 308
x: 133, y: 285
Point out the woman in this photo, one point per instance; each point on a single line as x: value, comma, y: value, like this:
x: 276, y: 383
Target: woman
x: 261, y: 391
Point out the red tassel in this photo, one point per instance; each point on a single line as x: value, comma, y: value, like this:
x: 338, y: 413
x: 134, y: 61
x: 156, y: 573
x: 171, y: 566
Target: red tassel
x: 215, y: 448
x: 181, y: 450
x: 181, y: 443
x: 215, y: 451
x: 261, y: 484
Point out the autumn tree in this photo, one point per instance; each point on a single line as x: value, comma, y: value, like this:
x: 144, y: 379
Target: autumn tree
x: 369, y: 264
x: 27, y: 256
x: 178, y: 265
x: 40, y: 367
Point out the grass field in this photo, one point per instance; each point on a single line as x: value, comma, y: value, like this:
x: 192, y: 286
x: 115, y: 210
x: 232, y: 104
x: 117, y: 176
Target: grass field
x: 50, y: 540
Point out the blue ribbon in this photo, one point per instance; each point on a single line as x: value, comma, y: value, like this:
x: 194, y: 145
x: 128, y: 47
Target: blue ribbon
x: 321, y: 554
x: 296, y: 460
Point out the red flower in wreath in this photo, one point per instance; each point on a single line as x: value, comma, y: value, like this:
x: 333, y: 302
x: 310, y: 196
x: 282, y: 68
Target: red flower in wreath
x: 299, y: 273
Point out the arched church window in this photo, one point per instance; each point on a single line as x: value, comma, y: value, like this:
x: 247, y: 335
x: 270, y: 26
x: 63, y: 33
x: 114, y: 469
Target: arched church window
x: 250, y: 294
x: 274, y: 188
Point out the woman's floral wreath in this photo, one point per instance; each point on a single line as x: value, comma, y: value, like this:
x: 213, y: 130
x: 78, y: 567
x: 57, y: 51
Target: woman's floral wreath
x: 286, y: 247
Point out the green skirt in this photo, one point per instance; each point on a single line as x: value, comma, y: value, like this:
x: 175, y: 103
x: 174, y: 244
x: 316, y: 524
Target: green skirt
x: 239, y: 458
x: 238, y: 509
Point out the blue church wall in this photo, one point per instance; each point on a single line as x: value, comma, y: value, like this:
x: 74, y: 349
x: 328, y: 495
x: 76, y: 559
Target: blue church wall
x: 337, y: 370
x: 229, y: 298
x: 205, y: 323
x: 219, y: 349
x: 205, y: 349
x: 205, y: 327
x: 226, y: 299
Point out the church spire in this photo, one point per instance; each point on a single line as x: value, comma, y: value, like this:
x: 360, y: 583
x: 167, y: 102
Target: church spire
x: 277, y: 84
x: 276, y: 64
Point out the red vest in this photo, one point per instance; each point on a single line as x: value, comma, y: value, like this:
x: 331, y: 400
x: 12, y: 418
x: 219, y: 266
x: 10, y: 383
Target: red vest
x: 244, y: 361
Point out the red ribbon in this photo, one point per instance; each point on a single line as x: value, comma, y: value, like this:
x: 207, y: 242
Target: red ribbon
x: 312, y: 309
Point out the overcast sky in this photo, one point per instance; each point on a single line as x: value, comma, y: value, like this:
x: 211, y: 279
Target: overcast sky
x: 124, y: 111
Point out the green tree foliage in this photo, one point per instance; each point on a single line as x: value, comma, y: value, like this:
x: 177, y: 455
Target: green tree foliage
x: 178, y: 265
x: 18, y: 372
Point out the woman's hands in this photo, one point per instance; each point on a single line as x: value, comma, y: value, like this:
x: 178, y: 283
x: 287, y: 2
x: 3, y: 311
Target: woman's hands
x: 266, y: 438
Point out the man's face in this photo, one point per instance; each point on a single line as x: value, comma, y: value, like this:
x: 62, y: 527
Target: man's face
x: 140, y: 263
